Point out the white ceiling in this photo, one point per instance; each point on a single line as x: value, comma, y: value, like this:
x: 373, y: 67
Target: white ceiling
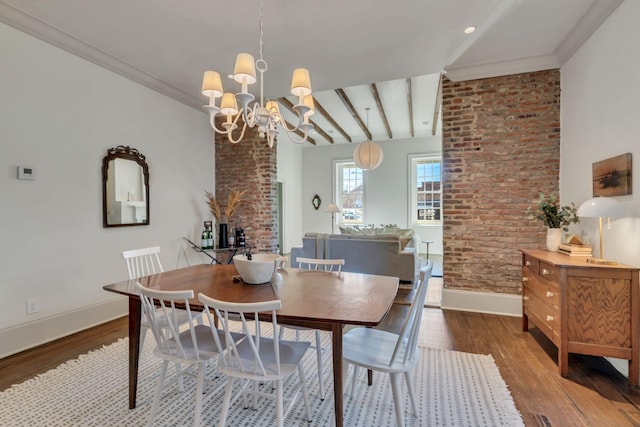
x: 168, y: 44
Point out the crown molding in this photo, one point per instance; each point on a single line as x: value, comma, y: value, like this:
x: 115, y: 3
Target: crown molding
x: 49, y: 34
x: 588, y: 24
x: 524, y: 65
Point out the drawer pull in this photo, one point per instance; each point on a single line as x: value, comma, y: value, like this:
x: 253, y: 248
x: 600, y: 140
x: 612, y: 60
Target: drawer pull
x: 549, y: 318
x: 525, y: 279
x: 526, y: 298
x: 549, y: 294
x: 527, y: 263
x: 545, y: 271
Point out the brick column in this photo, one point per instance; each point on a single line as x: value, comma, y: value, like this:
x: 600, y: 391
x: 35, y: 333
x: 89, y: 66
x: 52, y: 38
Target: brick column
x: 250, y: 165
x: 500, y: 149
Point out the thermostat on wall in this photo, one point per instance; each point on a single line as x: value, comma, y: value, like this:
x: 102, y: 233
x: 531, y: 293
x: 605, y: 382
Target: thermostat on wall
x: 26, y: 173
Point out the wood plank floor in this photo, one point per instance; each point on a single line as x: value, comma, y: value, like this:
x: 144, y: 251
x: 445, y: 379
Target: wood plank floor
x: 594, y: 394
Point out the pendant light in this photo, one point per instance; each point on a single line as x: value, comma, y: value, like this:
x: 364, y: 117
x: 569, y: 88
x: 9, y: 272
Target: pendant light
x: 367, y: 155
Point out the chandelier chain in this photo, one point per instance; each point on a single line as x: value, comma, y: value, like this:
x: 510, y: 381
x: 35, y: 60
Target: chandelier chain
x: 261, y: 30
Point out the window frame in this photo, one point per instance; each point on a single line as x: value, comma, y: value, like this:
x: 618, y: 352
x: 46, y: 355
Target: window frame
x: 338, y: 165
x: 412, y: 209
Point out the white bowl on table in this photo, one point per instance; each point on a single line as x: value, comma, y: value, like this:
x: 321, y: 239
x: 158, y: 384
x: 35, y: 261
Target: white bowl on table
x: 259, y: 269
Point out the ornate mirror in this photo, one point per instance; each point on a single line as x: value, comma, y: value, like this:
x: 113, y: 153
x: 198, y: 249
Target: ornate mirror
x: 316, y: 201
x: 125, y: 188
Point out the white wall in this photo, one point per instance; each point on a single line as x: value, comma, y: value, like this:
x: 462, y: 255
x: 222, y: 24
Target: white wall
x: 386, y: 187
x: 599, y: 120
x: 59, y: 114
x: 289, y: 158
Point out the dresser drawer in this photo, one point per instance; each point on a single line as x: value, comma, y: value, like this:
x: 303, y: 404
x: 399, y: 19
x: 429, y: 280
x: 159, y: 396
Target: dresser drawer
x: 544, y: 290
x: 531, y: 264
x: 549, y: 272
x: 545, y: 316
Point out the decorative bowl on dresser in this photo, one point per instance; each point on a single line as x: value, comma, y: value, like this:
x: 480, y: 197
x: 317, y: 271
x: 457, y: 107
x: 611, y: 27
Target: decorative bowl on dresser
x: 582, y: 308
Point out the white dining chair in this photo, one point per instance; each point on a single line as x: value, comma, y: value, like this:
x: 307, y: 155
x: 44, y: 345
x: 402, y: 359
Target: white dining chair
x: 313, y: 264
x: 144, y: 262
x: 257, y: 360
x: 193, y: 347
x: 395, y: 354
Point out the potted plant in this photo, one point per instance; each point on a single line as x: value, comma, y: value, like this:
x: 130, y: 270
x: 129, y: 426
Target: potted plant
x: 555, y: 217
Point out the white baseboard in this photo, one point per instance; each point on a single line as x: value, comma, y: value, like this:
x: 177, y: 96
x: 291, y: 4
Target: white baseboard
x: 482, y: 302
x: 27, y: 335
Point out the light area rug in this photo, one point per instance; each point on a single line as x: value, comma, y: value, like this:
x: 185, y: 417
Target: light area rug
x: 453, y: 389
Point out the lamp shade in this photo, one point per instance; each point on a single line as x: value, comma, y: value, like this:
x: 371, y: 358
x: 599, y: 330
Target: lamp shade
x: 301, y: 82
x: 211, y: 84
x: 600, y: 207
x: 367, y: 155
x: 228, y: 105
x: 333, y: 208
x: 245, y: 69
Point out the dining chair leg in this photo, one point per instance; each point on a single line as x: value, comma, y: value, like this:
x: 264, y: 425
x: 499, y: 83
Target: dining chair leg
x: 179, y: 377
x: 199, y: 388
x: 412, y: 393
x: 305, y: 393
x: 319, y: 358
x: 354, y: 378
x: 396, y: 388
x: 156, y: 399
x: 226, y: 403
x: 279, y: 404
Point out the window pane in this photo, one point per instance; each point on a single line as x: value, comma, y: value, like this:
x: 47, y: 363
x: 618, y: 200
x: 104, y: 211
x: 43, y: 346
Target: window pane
x: 427, y: 190
x: 351, y: 192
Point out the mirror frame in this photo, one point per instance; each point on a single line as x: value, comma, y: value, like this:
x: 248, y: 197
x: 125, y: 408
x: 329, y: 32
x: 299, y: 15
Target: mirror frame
x: 126, y: 153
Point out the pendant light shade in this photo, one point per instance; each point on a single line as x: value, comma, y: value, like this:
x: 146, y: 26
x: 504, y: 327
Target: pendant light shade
x: 367, y: 155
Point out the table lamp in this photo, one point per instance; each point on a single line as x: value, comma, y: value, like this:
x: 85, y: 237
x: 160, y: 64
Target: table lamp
x: 333, y: 208
x: 600, y: 207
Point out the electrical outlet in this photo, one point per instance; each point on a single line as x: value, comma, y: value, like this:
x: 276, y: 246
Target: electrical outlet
x: 33, y: 305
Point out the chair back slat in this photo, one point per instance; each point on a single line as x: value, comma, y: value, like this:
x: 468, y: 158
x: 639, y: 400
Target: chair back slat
x: 408, y: 337
x: 318, y: 264
x: 143, y: 262
x: 248, y: 315
x: 160, y: 310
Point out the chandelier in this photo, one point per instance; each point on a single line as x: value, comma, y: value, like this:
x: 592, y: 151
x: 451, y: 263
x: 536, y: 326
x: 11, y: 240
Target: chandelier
x: 265, y: 115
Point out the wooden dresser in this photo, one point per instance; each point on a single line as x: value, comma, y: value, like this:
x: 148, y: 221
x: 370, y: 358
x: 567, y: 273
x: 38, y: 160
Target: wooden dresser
x: 583, y: 308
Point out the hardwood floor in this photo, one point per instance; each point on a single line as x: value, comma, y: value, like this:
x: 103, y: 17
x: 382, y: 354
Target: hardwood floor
x: 594, y: 394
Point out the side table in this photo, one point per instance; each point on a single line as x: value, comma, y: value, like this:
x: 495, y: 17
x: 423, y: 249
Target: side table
x: 211, y: 253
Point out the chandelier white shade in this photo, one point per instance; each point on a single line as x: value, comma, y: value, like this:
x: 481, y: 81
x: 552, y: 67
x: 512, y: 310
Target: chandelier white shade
x: 368, y: 155
x: 263, y: 115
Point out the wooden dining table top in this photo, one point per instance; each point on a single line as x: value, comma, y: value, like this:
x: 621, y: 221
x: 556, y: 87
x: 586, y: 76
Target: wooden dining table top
x: 346, y: 298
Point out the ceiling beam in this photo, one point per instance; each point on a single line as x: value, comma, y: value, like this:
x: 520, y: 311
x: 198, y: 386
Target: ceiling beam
x: 289, y: 106
x: 410, y: 105
x: 320, y: 109
x: 347, y: 102
x: 436, y: 109
x: 383, y: 115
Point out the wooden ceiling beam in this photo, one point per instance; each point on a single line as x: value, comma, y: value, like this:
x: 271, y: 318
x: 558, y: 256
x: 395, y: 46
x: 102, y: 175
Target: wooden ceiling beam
x: 347, y: 102
x: 320, y: 109
x: 410, y: 105
x: 383, y: 115
x: 436, y: 109
x: 289, y: 106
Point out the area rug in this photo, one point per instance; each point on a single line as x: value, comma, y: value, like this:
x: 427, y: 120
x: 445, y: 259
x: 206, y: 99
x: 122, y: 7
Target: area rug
x: 453, y: 389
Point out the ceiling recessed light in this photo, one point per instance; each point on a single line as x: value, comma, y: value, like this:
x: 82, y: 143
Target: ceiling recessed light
x: 469, y: 30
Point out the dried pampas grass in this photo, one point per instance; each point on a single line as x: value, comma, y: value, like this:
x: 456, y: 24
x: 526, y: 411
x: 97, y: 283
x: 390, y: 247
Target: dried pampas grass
x: 234, y: 201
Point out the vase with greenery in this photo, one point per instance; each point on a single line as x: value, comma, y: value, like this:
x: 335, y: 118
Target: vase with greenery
x: 555, y: 217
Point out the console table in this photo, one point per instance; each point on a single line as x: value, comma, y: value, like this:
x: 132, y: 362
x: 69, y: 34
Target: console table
x: 211, y: 253
x: 582, y: 308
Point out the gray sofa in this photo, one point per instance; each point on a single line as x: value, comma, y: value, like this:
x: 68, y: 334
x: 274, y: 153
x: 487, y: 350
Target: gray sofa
x: 372, y: 254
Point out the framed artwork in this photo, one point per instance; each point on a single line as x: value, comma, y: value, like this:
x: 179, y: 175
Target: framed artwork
x: 612, y: 177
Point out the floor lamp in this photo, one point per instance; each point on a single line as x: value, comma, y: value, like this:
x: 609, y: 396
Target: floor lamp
x: 600, y: 207
x: 333, y: 208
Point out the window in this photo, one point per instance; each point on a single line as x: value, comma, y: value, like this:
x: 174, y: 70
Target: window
x: 350, y: 192
x: 426, y: 190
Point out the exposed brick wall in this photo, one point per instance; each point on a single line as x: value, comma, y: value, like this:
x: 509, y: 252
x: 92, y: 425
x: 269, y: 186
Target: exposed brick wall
x: 250, y: 165
x: 501, y: 148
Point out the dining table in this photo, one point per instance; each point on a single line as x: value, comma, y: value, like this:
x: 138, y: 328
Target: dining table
x: 313, y: 299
